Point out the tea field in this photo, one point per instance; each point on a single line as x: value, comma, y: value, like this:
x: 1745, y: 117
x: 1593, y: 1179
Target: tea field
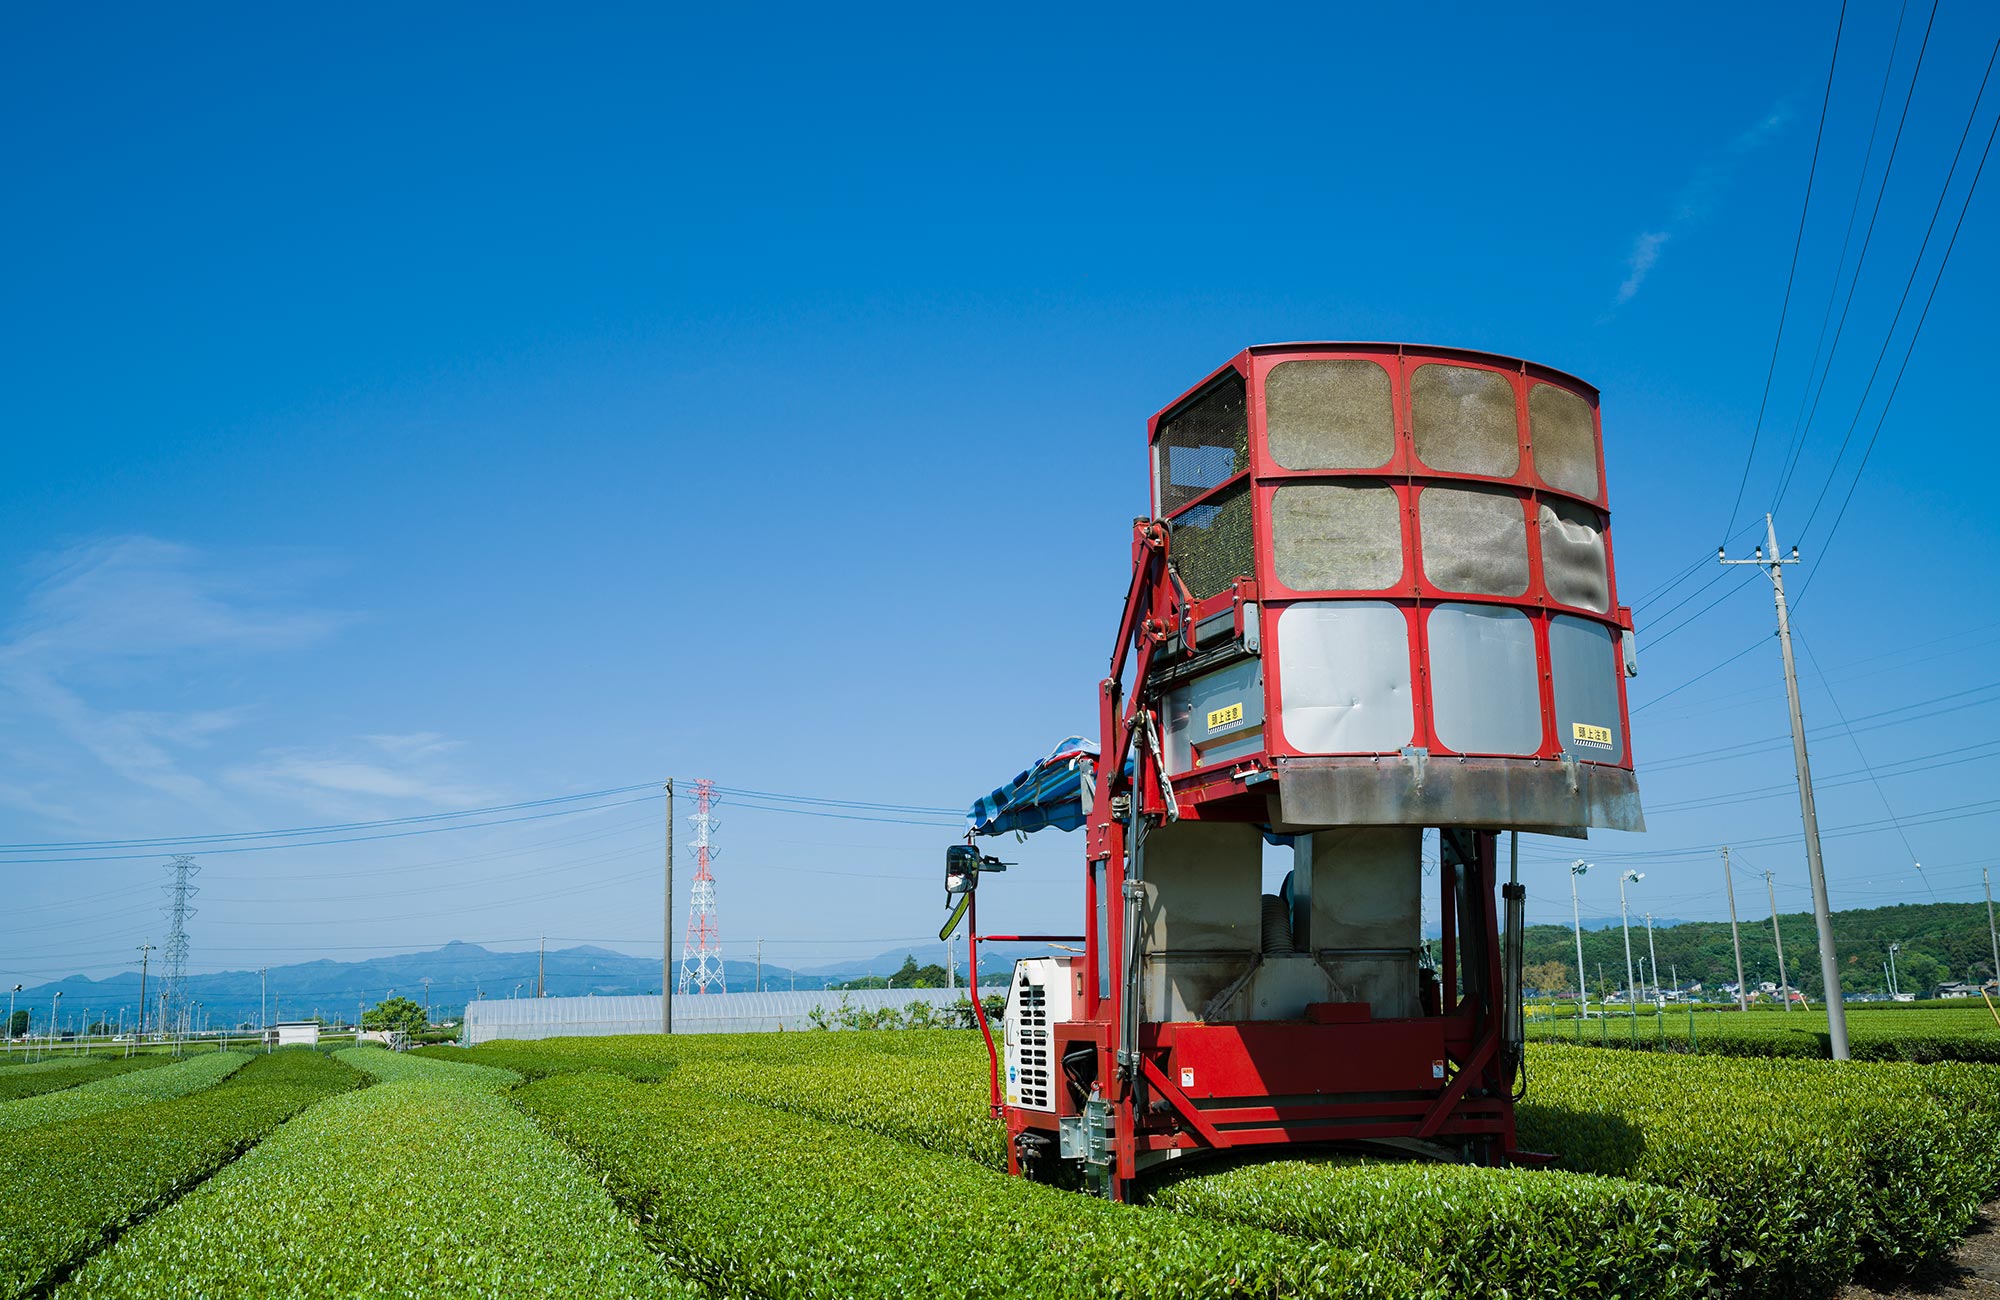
x: 1875, y: 1032
x: 863, y: 1164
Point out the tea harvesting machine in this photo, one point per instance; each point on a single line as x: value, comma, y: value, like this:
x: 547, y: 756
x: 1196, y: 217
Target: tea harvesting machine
x: 1375, y: 598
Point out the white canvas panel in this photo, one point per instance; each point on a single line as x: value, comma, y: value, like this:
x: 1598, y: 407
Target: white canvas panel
x: 1345, y: 672
x: 1484, y: 693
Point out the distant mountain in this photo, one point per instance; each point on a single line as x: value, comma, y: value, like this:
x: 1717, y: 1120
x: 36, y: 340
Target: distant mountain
x: 336, y: 990
x: 995, y: 957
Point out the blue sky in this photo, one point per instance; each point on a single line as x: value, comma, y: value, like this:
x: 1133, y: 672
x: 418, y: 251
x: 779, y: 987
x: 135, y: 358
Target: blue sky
x: 415, y: 412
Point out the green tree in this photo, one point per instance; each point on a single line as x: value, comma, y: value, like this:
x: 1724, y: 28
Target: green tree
x: 1548, y: 977
x: 18, y: 1024
x: 396, y: 1014
x: 908, y: 976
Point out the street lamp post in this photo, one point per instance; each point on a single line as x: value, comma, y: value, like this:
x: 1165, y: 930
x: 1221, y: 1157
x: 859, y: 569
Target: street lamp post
x: 54, y: 1003
x: 1625, y: 917
x: 1653, y: 955
x: 1576, y: 869
x: 1895, y: 984
x: 10, y: 1017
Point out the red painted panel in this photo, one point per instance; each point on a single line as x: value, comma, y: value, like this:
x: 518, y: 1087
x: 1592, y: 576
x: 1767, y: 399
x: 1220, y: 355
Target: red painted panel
x: 1282, y: 1059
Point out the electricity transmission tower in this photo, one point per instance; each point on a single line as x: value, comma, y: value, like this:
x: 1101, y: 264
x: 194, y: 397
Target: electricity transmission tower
x: 701, y: 959
x: 179, y: 890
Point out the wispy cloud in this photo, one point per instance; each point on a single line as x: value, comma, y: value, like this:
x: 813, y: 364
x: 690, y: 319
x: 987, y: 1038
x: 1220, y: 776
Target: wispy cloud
x: 1645, y: 254
x: 122, y: 611
x: 1697, y: 200
x: 355, y: 777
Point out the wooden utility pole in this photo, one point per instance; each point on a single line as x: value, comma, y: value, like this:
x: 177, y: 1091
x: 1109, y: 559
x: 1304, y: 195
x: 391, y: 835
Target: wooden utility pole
x: 145, y: 959
x: 1992, y: 931
x: 1735, y: 936
x: 1784, y: 987
x: 1829, y: 960
x: 667, y: 959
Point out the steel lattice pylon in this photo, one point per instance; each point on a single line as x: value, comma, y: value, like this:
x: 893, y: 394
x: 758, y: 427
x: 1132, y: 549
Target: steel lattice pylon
x: 701, y: 960
x: 173, y: 996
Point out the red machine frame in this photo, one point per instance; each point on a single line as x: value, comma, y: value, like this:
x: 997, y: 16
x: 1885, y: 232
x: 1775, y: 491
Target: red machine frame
x: 1443, y: 1078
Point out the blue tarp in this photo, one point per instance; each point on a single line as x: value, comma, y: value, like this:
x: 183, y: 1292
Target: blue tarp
x: 1051, y: 794
x: 1048, y: 794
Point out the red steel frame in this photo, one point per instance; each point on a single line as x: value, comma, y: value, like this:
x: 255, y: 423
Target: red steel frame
x: 1339, y: 1075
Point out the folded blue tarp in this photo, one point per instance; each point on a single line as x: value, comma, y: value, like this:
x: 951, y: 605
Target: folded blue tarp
x: 1048, y: 794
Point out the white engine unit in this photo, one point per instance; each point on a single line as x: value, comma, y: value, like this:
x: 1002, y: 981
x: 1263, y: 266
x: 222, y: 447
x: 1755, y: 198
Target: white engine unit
x: 1040, y: 996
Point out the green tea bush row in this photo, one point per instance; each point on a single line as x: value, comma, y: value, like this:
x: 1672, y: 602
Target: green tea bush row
x: 188, y: 1075
x: 72, y: 1186
x: 1947, y: 1033
x: 1818, y: 1168
x: 53, y: 1076
x: 927, y: 1088
x: 428, y: 1183
x: 385, y: 1066
x: 940, y: 1103
x: 541, y: 1058
x: 1472, y: 1232
x: 752, y: 1201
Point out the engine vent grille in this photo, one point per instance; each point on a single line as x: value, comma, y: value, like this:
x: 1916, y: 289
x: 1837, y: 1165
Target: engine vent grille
x: 1033, y: 1064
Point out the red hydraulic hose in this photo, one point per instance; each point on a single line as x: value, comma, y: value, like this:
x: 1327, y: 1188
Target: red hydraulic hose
x: 978, y: 1007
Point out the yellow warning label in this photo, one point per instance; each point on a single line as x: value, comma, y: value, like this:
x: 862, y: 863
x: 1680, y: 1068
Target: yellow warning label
x: 1223, y: 717
x: 1588, y: 735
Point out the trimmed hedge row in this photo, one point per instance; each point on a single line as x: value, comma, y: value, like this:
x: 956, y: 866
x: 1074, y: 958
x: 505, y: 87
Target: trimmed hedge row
x: 188, y: 1075
x: 385, y: 1066
x: 538, y: 1060
x: 939, y: 1103
x: 71, y: 1186
x: 1818, y: 1169
x: 42, y: 1077
x: 752, y: 1201
x: 1929, y: 1034
x: 428, y: 1183
x: 1473, y: 1232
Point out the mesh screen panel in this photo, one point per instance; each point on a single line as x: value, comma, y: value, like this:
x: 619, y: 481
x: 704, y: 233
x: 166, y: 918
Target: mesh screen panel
x: 1562, y: 431
x: 1211, y: 544
x: 1329, y: 415
x: 1573, y: 556
x: 1336, y: 536
x: 1203, y: 445
x: 1474, y: 540
x: 1463, y: 420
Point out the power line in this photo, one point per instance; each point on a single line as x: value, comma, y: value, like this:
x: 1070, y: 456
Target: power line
x: 1892, y: 714
x: 1915, y: 334
x: 1785, y: 308
x: 348, y: 839
x: 1862, y: 755
x: 1718, y: 700
x: 327, y: 829
x: 1866, y: 239
x: 1698, y: 676
x: 1704, y: 562
x: 1904, y: 767
x: 1799, y: 421
x: 1692, y: 618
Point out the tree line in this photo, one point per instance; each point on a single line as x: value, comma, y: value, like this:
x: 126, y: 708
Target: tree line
x: 1939, y: 943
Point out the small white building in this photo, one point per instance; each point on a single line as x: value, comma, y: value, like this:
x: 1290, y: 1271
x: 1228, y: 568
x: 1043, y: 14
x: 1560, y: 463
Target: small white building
x: 298, y: 1033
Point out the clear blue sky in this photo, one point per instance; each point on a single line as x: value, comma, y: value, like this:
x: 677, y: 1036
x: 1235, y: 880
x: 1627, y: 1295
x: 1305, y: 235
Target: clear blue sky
x: 408, y: 412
